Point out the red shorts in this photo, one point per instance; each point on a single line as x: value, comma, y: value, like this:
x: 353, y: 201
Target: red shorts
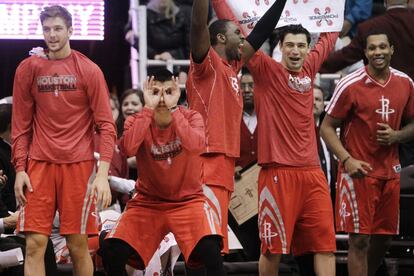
x: 218, y: 199
x: 65, y: 187
x: 295, y: 209
x: 145, y: 223
x: 367, y: 205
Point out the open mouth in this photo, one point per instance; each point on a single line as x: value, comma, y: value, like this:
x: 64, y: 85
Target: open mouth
x: 379, y: 60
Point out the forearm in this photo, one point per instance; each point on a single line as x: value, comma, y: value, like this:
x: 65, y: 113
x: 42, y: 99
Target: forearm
x: 190, y: 131
x: 406, y: 134
x: 199, y: 34
x: 328, y: 134
x: 103, y: 169
x: 265, y: 26
x: 135, y: 128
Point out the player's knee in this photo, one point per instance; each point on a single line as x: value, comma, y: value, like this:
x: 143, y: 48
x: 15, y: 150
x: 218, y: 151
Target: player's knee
x: 77, y: 245
x: 359, y: 242
x: 36, y: 245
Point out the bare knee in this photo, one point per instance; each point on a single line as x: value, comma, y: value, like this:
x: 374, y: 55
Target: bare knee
x: 359, y: 242
x: 269, y: 264
x: 36, y: 244
x: 77, y: 245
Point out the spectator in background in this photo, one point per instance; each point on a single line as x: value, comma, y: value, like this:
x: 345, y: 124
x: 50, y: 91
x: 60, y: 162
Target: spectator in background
x: 168, y: 29
x: 248, y: 232
x: 397, y: 22
x: 7, y: 191
x: 132, y: 101
x: 356, y: 11
x: 326, y: 158
x: 113, y: 100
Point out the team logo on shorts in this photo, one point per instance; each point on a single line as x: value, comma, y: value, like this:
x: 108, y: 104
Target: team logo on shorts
x: 267, y: 233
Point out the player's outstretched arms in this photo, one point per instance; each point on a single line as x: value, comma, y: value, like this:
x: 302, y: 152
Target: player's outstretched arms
x: 262, y: 30
x: 199, y: 35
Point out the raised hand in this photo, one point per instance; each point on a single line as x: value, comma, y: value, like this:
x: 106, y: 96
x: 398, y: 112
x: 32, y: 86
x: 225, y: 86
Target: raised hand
x: 152, y: 94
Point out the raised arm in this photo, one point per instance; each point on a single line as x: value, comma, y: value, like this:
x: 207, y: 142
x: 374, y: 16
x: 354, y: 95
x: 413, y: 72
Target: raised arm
x: 263, y: 29
x: 199, y: 35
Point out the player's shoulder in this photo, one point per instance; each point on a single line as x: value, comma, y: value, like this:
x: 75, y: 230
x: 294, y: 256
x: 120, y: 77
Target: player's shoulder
x: 84, y: 59
x: 352, y: 79
x: 401, y: 75
x: 187, y: 112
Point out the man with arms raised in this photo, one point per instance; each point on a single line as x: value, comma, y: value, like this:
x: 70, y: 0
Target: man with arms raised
x: 369, y: 106
x: 59, y: 99
x: 213, y: 90
x: 295, y: 208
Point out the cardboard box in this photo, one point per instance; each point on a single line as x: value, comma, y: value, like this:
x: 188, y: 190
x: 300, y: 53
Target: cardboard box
x: 244, y: 200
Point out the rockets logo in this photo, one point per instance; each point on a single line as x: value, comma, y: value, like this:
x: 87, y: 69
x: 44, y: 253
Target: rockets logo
x: 323, y: 16
x: 385, y: 109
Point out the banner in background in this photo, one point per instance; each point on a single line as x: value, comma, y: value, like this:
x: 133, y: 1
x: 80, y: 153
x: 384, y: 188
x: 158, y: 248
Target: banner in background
x: 316, y: 16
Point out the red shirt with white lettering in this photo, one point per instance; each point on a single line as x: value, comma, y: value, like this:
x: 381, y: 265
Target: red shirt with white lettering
x: 362, y: 102
x: 57, y: 106
x: 213, y: 90
x: 284, y: 105
x: 168, y: 160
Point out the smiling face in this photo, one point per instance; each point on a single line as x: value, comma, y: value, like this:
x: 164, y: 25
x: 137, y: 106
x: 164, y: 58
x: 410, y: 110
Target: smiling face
x: 378, y: 52
x: 233, y: 41
x: 294, y: 49
x: 56, y: 35
x: 130, y: 105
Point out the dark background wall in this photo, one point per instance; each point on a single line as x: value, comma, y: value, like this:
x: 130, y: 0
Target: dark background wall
x: 111, y: 54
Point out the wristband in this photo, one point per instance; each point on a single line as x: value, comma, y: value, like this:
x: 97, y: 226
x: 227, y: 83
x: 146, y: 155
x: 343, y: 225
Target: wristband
x: 346, y: 159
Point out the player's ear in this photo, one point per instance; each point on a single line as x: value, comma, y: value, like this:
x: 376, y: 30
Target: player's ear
x: 221, y: 38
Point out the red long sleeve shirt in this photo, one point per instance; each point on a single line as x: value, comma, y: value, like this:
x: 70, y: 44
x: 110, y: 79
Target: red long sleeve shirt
x: 57, y: 105
x: 168, y: 160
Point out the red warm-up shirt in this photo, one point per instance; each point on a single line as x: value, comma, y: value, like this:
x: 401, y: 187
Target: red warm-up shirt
x: 168, y: 160
x: 362, y: 102
x: 57, y: 105
x: 284, y: 106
